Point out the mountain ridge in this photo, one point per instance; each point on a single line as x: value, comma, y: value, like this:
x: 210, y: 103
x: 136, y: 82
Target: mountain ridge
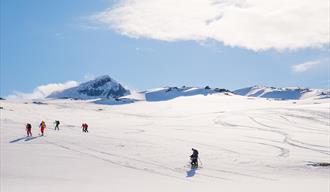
x: 286, y: 93
x: 106, y: 88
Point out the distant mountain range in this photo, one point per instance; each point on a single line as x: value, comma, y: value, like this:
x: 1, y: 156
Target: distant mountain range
x: 112, y: 92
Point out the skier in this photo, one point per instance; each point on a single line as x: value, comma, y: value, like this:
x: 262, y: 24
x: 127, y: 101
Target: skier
x: 57, y: 123
x: 194, y: 158
x: 28, y: 129
x: 42, y: 127
x: 85, y: 127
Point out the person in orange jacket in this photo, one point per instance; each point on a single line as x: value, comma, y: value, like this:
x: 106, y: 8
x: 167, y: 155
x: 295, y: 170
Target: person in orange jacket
x: 42, y: 127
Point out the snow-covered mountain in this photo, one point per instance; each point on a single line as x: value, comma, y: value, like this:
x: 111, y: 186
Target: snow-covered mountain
x: 167, y: 93
x: 283, y: 93
x: 163, y: 94
x: 101, y: 87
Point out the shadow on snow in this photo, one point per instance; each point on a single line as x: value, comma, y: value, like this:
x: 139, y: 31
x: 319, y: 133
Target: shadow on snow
x: 24, y: 138
x: 191, y: 173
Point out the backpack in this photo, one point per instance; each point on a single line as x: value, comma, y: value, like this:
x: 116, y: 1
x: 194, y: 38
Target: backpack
x: 28, y: 126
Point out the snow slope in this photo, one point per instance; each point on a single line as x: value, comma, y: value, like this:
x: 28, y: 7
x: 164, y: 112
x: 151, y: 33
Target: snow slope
x: 101, y: 87
x: 283, y: 93
x: 162, y: 94
x: 245, y: 145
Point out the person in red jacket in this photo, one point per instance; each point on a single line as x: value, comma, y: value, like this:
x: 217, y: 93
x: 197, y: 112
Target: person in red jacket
x: 42, y: 127
x: 84, y: 127
x: 28, y: 129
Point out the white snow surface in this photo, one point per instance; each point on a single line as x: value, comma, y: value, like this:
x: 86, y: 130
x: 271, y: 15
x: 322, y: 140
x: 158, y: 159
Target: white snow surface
x: 292, y: 93
x: 245, y: 144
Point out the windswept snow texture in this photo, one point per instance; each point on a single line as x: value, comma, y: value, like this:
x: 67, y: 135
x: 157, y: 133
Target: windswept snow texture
x: 283, y: 93
x: 101, y: 87
x: 244, y: 145
x: 118, y: 101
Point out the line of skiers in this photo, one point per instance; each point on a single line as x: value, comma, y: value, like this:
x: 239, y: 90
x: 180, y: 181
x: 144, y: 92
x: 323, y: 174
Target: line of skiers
x: 194, y: 157
x: 42, y: 127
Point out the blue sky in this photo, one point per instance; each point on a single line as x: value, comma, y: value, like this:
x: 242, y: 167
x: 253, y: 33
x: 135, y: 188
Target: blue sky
x: 46, y: 42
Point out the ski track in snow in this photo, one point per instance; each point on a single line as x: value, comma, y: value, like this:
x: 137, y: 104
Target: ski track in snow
x: 126, y: 162
x: 287, y: 138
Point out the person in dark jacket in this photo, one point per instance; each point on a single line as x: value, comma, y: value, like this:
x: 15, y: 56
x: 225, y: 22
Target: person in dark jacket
x: 28, y: 129
x: 194, y: 158
x: 57, y: 123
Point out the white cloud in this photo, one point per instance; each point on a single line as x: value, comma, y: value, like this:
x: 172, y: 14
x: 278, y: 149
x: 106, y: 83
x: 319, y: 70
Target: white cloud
x: 43, y: 91
x: 253, y: 24
x: 303, y: 67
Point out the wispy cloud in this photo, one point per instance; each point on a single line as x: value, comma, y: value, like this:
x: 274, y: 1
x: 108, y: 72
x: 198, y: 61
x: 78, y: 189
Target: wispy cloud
x: 303, y: 67
x: 89, y: 76
x: 146, y: 50
x: 43, y: 91
x: 252, y: 24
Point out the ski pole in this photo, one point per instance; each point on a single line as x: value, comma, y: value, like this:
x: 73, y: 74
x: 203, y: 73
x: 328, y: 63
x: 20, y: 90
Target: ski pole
x: 200, y: 161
